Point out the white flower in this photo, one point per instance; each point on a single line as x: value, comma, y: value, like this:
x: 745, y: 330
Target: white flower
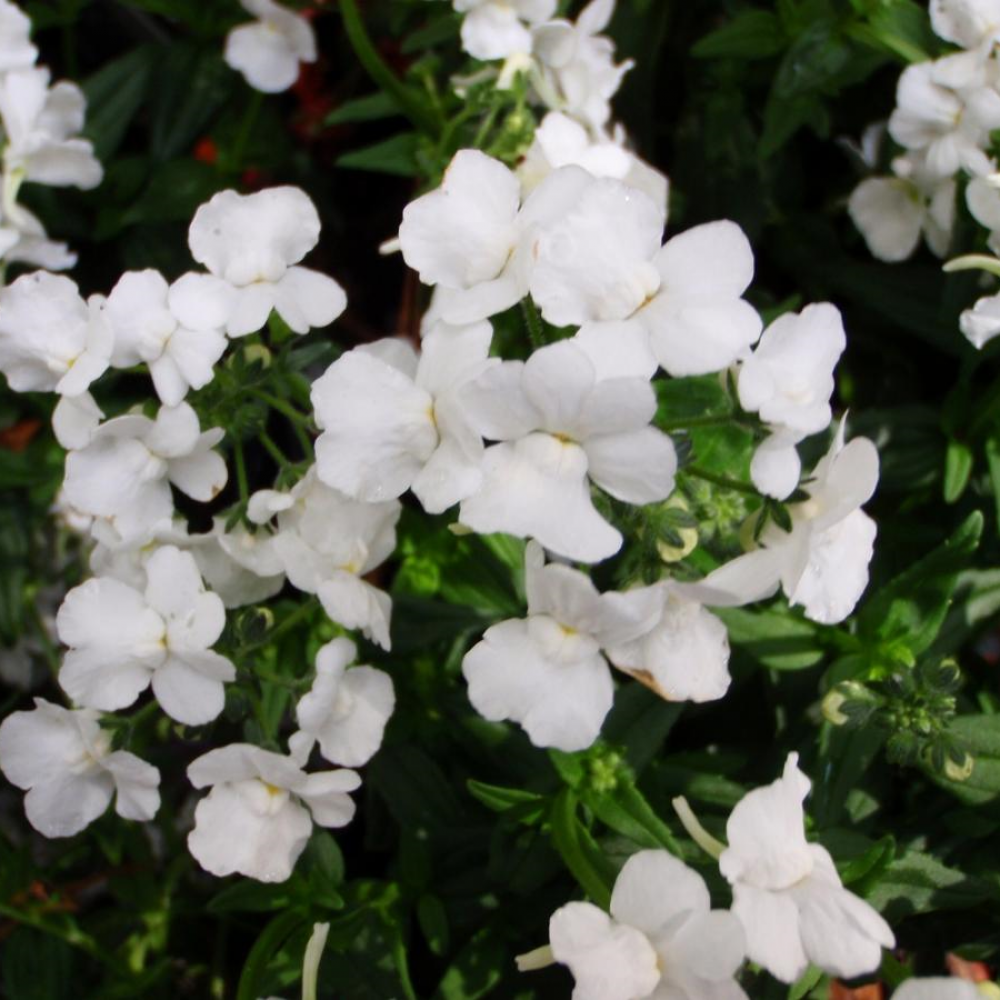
x: 663, y: 941
x: 50, y: 339
x: 260, y: 812
x: 346, y: 709
x: 787, y: 894
x: 64, y: 760
x: 560, y: 141
x: 16, y: 51
x: 685, y: 655
x: 255, y: 242
x: 121, y: 640
x: 822, y: 563
x: 596, y: 262
x: 546, y: 672
x: 125, y: 472
x: 177, y: 329
x: 968, y: 23
x: 565, y: 419
x: 981, y: 323
x: 578, y: 64
x: 497, y: 29
x: 788, y: 381
x: 327, y: 542
x: 41, y: 124
x: 392, y: 423
x: 23, y: 240
x: 937, y: 988
x: 268, y: 51
x: 946, y: 109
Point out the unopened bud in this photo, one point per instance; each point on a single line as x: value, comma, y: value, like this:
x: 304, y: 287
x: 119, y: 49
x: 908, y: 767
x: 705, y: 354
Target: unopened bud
x: 960, y: 771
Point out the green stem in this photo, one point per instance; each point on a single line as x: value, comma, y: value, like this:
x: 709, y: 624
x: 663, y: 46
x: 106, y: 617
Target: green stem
x: 724, y: 481
x: 683, y: 425
x: 273, y: 450
x: 241, y: 473
x: 379, y: 72
x: 283, y: 407
x: 484, y: 128
x: 696, y: 831
x: 532, y: 320
x: 71, y: 935
x: 301, y: 612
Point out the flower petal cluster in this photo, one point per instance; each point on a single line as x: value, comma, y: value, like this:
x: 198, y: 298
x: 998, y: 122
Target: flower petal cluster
x: 326, y: 543
x: 64, y: 760
x: 122, y: 640
x: 268, y: 51
x: 259, y: 814
x: 662, y: 940
x: 346, y: 710
x: 822, y: 563
x: 786, y: 891
x: 498, y: 29
x: 254, y: 243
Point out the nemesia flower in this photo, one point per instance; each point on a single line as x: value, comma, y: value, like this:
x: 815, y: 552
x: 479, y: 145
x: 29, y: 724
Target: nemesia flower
x: 16, y: 50
x: 981, y: 323
x: 41, y: 124
x: 892, y: 213
x: 122, y: 640
x: 497, y: 29
x: 578, y: 64
x: 662, y: 941
x: 946, y: 110
x: 326, y: 543
x: 125, y: 471
x: 546, y: 672
x: 23, y: 240
x: 561, y: 141
x: 268, y: 51
x: 177, y: 329
x: 392, y: 422
x: 822, y: 563
x: 346, y: 709
x: 259, y: 815
x: 255, y: 242
x: 63, y: 759
x: 788, y: 381
x: 50, y: 339
x: 685, y: 655
x: 786, y: 891
x: 562, y: 424
x: 968, y: 23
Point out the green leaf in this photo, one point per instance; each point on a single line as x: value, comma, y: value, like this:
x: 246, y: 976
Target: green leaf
x: 397, y: 155
x: 433, y: 922
x: 37, y: 966
x: 174, y: 192
x: 114, y: 94
x: 364, y: 109
x: 901, y: 27
x: 528, y: 805
x: 773, y: 637
x: 805, y: 984
x: 579, y: 851
x: 957, y: 469
x: 752, y: 34
x: 476, y: 970
x: 626, y: 811
x: 264, y: 949
x: 993, y: 464
x: 979, y: 735
x: 247, y: 896
x: 911, y: 608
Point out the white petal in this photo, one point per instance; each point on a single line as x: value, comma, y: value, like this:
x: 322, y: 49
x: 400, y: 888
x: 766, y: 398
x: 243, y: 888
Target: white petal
x: 889, y: 213
x: 306, y: 299
x: 201, y: 301
x: 771, y: 923
x: 263, y: 56
x: 75, y: 419
x: 137, y: 783
x: 201, y: 475
x: 617, y: 350
x: 636, y: 466
x: 355, y: 604
x: 654, y: 889
x: 187, y: 695
x: 776, y: 468
x: 40, y: 745
x: 252, y: 307
x: 937, y: 988
x: 327, y: 796
x: 65, y: 806
x: 173, y: 582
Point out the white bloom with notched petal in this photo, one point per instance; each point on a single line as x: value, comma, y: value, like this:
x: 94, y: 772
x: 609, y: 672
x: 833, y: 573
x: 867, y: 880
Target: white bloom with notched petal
x: 175, y: 329
x: 788, y: 381
x: 64, y: 760
x: 268, y: 51
x: 685, y: 655
x: 546, y: 672
x: 562, y: 425
x: 122, y: 640
x: 392, y: 422
x: 255, y: 242
x: 50, y: 339
x: 497, y: 29
x: 968, y: 23
x: 822, y: 564
x: 326, y: 543
x: 786, y: 891
x: 578, y: 64
x: 41, y: 125
x: 346, y: 709
x: 125, y: 471
x: 259, y: 815
x: 662, y: 941
x: 16, y: 50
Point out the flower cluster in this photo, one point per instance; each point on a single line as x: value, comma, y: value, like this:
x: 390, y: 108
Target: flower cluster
x: 269, y: 50
x: 40, y: 125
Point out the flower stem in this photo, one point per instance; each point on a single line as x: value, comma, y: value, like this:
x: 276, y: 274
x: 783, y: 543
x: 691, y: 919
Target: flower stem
x: 697, y: 832
x: 533, y: 322
x: 724, y: 481
x: 241, y: 473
